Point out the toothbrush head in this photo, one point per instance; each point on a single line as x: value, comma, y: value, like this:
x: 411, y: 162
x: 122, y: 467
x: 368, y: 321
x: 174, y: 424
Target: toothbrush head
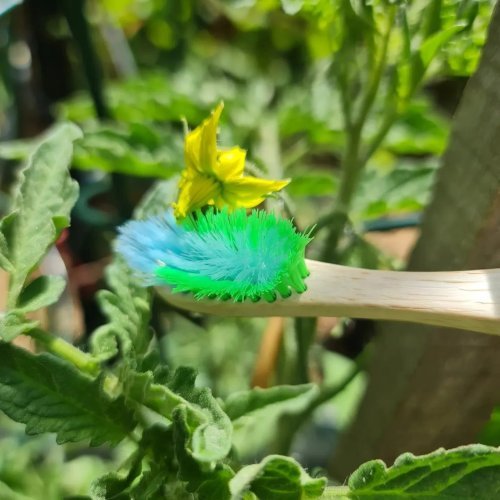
x: 218, y: 254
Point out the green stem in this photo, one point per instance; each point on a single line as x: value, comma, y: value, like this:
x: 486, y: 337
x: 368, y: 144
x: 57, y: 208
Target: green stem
x: 342, y: 492
x: 352, y: 162
x: 305, y: 333
x: 376, y: 76
x: 66, y: 351
x: 75, y: 16
x: 290, y: 424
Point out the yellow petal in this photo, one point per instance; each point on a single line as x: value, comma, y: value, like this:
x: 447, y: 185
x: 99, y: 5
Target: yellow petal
x: 249, y: 191
x: 195, y: 193
x: 230, y: 163
x: 200, y: 146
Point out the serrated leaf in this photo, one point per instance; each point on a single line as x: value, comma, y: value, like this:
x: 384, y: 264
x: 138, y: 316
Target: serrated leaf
x: 45, y: 191
x: 5, y: 263
x: 208, y: 483
x: 41, y: 292
x: 211, y: 440
x: 471, y: 471
x: 116, y: 484
x: 211, y: 429
x: 276, y: 477
x: 103, y: 343
x: 12, y: 324
x: 127, y: 309
x: 49, y: 395
x: 127, y: 306
x: 242, y: 403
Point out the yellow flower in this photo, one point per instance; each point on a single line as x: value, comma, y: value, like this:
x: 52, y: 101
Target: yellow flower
x: 215, y: 176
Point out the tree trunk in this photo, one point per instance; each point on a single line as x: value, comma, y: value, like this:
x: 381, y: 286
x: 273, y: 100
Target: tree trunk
x: 431, y: 387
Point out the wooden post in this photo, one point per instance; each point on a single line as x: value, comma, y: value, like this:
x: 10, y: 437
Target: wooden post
x: 430, y: 387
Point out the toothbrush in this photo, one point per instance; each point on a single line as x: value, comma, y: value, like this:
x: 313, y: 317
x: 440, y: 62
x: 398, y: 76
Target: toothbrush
x: 222, y: 255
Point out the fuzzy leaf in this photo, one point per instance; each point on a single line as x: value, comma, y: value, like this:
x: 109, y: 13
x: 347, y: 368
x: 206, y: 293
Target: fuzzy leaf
x: 276, y: 477
x: 43, y: 200
x: 211, y: 441
x: 41, y: 292
x: 245, y: 402
x: 12, y: 324
x: 128, y: 311
x: 211, y: 429
x: 116, y: 484
x: 466, y: 472
x: 48, y: 395
x: 191, y: 471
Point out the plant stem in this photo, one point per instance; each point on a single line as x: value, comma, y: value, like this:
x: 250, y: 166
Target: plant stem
x: 66, y: 351
x: 376, y: 76
x: 305, y: 333
x: 353, y: 162
x: 339, y: 492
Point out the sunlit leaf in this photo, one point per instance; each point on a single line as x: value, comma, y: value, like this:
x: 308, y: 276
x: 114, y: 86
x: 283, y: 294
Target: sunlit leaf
x: 276, y: 477
x: 466, y: 472
x: 49, y: 395
x: 42, y: 203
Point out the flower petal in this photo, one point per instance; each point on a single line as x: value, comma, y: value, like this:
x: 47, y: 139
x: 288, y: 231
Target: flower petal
x: 200, y: 146
x: 248, y: 192
x: 195, y: 193
x: 230, y: 163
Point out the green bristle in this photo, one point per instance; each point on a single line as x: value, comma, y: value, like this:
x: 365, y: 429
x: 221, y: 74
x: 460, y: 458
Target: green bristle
x: 234, y: 255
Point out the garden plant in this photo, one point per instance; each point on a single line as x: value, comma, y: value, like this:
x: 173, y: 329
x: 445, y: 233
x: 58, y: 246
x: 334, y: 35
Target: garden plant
x: 329, y: 132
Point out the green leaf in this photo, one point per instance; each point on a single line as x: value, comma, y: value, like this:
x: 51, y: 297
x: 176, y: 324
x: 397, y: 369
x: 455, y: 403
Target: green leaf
x: 211, y: 429
x: 41, y: 292
x: 276, y: 477
x: 19, y: 149
x: 12, y: 324
x: 127, y: 308
x: 313, y: 184
x: 471, y: 471
x: 206, y: 482
x: 490, y: 434
x: 406, y: 188
x: 133, y: 149
x: 412, y: 72
x: 242, y: 403
x: 45, y: 192
x: 103, y: 343
x: 211, y: 440
x: 117, y: 485
x: 49, y: 395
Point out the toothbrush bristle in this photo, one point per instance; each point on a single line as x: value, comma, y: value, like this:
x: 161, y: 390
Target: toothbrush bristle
x: 218, y: 254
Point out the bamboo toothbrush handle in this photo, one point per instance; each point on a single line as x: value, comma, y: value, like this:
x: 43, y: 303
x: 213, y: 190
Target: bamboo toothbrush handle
x: 468, y: 300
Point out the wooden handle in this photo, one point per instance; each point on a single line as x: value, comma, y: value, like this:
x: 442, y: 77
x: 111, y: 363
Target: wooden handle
x: 469, y: 300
